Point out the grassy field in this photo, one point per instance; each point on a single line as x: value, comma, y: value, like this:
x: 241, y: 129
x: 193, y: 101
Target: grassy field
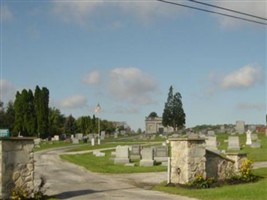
x: 106, y: 165
x: 254, y: 154
x: 249, y: 191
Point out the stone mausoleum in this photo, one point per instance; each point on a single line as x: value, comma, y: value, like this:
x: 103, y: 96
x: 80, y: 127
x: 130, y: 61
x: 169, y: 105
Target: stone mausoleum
x: 154, y: 125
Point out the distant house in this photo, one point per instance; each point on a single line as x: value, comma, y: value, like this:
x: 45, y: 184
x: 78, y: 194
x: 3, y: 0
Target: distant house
x: 154, y: 125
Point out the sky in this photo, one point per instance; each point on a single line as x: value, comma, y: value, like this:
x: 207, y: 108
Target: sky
x: 125, y: 55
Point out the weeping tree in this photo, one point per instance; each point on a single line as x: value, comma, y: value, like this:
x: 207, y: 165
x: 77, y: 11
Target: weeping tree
x: 173, y: 113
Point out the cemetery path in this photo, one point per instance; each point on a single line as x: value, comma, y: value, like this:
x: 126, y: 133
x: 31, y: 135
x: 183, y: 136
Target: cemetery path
x: 68, y: 181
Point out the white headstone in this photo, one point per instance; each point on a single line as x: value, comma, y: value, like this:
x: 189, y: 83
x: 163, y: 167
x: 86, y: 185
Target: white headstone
x: 93, y: 141
x: 56, y: 138
x: 211, y: 143
x: 249, y: 139
x: 79, y: 136
x: 240, y: 127
x: 102, y: 135
x: 122, y: 155
x: 233, y: 143
x: 147, y: 157
x: 211, y: 133
x: 75, y: 141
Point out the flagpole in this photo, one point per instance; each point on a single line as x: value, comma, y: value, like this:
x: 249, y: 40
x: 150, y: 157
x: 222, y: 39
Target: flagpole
x: 97, y: 110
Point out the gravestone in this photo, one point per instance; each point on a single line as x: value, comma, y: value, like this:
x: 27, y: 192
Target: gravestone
x: 116, y: 134
x: 248, y: 138
x: 255, y: 142
x: 211, y: 143
x: 240, y: 127
x: 90, y: 136
x: 56, y: 138
x: 135, y: 153
x: 122, y: 155
x: 102, y: 135
x: 75, y: 141
x: 147, y: 157
x: 211, y: 133
x: 161, y: 154
x: 98, y: 153
x: 93, y: 141
x: 79, y: 136
x: 233, y: 143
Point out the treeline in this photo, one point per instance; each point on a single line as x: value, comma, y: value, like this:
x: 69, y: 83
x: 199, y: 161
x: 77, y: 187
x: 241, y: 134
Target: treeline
x: 30, y: 115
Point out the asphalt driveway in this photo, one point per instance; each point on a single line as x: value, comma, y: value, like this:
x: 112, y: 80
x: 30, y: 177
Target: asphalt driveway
x: 68, y: 181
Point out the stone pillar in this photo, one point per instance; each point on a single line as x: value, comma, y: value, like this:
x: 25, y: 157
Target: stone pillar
x: 17, y: 165
x: 187, y: 159
x: 238, y: 158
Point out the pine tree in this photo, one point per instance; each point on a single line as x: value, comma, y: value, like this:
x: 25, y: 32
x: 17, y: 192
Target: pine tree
x: 41, y: 102
x: 70, y: 126
x: 173, y: 114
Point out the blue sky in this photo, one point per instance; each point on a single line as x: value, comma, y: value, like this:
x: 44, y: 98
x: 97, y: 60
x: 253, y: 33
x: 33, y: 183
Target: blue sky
x: 125, y: 55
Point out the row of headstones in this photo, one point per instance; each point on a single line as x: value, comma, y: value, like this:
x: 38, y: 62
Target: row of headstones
x: 148, y: 156
x: 91, y: 137
x: 233, y: 142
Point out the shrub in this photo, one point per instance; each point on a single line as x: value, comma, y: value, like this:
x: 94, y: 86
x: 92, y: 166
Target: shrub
x: 245, y: 175
x: 200, y: 182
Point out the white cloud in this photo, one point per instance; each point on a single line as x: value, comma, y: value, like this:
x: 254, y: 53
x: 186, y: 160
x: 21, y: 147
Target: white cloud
x: 6, y: 14
x: 244, y: 77
x: 147, y: 11
x: 92, y: 78
x: 77, y: 11
x: 8, y: 90
x: 76, y: 101
x: 257, y: 8
x: 132, y: 85
x: 81, y: 11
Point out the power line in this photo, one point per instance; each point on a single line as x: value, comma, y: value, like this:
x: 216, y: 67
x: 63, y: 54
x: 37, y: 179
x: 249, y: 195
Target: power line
x: 214, y: 12
x: 231, y: 10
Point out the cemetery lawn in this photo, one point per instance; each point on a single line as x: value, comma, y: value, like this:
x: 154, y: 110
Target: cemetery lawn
x: 105, y: 164
x: 254, y: 154
x: 249, y: 191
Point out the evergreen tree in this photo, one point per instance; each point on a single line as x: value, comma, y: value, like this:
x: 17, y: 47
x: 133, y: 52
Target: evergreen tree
x: 173, y: 114
x: 153, y: 115
x: 56, y: 122
x: 2, y: 115
x: 29, y: 113
x: 18, y: 105
x: 41, y: 102
x: 70, y: 125
x: 10, y: 116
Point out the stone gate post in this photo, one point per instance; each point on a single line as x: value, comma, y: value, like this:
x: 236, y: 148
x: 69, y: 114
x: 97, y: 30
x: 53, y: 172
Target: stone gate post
x: 16, y: 165
x: 187, y: 159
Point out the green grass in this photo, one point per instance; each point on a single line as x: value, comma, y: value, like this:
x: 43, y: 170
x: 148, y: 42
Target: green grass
x: 105, y: 165
x: 254, y: 154
x: 101, y: 146
x: 249, y: 191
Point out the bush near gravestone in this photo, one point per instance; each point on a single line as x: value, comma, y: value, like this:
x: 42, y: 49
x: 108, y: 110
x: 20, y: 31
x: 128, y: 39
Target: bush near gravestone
x: 245, y: 176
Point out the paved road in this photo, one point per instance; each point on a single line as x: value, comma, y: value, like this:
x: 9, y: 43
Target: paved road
x: 68, y: 181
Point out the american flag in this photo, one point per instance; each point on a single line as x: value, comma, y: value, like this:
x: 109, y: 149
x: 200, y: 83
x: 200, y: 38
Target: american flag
x: 98, y: 108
